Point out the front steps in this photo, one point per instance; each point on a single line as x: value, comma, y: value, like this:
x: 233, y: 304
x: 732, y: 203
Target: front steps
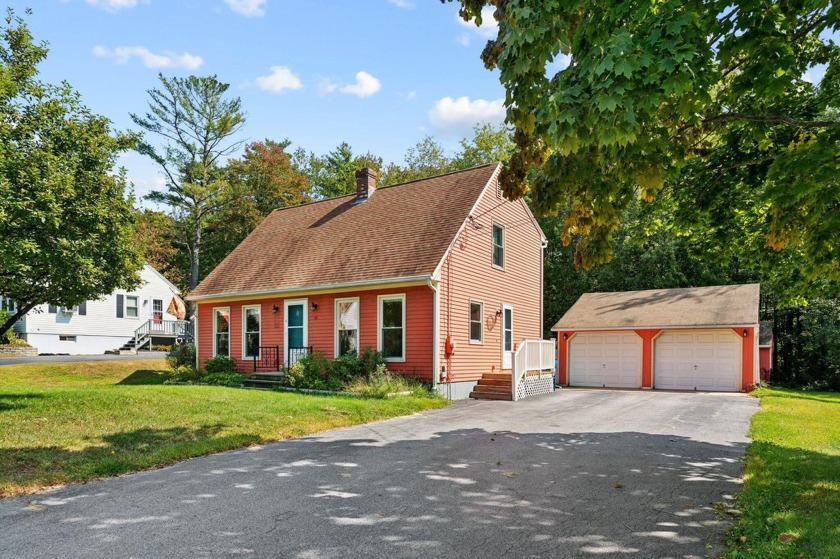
x: 263, y: 381
x: 493, y: 386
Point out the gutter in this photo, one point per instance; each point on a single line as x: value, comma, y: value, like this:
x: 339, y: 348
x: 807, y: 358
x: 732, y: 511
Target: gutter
x: 306, y: 289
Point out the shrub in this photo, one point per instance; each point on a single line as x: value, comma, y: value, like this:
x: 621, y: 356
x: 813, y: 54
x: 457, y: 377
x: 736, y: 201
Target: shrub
x: 381, y: 382
x: 220, y: 364
x: 162, y: 347
x: 12, y: 339
x: 316, y: 372
x: 224, y: 379
x: 183, y: 373
x: 181, y: 354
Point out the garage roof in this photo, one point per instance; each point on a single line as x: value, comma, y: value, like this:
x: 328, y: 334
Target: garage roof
x: 720, y: 305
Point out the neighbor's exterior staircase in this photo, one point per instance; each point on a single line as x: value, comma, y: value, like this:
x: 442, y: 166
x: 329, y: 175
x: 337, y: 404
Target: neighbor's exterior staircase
x: 493, y: 386
x: 173, y: 330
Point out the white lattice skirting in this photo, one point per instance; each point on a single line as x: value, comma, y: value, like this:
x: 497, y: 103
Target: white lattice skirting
x: 534, y: 384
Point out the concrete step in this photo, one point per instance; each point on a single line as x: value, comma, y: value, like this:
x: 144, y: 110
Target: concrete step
x: 260, y: 382
x: 490, y: 396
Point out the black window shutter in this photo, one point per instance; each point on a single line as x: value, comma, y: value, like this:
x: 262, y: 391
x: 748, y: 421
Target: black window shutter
x: 52, y: 309
x: 119, y: 306
x: 83, y: 308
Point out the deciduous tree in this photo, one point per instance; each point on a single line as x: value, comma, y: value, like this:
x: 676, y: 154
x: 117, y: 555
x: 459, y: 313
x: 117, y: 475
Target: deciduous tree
x: 66, y: 218
x: 673, y: 93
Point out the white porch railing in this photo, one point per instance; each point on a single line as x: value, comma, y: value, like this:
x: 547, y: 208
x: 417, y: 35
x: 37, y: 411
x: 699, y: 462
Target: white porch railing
x: 533, y: 368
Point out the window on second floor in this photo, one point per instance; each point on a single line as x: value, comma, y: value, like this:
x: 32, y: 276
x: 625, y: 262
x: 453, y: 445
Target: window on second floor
x: 498, y: 245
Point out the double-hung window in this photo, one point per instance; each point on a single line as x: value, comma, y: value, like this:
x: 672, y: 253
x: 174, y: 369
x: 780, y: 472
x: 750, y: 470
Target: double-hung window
x: 392, y: 327
x: 251, y: 320
x: 346, y: 326
x: 221, y: 331
x: 132, y: 306
x: 476, y: 322
x: 498, y: 245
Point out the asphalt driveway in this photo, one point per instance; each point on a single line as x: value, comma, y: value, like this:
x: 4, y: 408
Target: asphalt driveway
x: 576, y: 473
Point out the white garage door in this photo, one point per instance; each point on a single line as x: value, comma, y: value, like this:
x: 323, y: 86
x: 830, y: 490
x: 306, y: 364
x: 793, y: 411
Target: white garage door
x: 610, y: 359
x: 698, y: 360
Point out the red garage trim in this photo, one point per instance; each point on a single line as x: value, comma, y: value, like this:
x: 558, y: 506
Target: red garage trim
x: 748, y: 355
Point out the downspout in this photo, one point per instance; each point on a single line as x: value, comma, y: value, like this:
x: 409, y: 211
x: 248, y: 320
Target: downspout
x: 435, y: 332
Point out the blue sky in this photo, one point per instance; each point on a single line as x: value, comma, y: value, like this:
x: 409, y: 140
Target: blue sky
x: 379, y: 74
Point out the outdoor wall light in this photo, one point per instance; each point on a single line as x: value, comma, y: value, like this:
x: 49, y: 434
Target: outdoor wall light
x: 275, y: 309
x: 313, y: 307
x: 499, y: 313
x: 745, y: 333
x: 565, y: 336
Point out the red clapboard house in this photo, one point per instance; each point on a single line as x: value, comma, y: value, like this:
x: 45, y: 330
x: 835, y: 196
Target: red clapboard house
x: 443, y: 275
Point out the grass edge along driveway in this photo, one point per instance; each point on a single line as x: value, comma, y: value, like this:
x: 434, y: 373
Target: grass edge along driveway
x: 72, y: 422
x: 791, y: 498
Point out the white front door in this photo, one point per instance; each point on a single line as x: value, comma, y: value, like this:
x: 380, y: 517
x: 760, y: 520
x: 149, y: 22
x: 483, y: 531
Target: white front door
x: 606, y: 360
x: 698, y: 360
x: 296, y: 326
x: 507, y: 337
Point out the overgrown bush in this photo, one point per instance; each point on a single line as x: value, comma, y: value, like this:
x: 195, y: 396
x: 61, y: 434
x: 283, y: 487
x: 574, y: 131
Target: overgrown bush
x: 162, y: 347
x: 224, y: 379
x: 316, y: 372
x: 183, y: 373
x: 10, y: 338
x: 220, y: 364
x: 181, y: 354
x: 381, y: 383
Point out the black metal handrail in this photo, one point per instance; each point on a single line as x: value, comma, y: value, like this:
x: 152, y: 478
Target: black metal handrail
x: 296, y: 353
x: 267, y: 358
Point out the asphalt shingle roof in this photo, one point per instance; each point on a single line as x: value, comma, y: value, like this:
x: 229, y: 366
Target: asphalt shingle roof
x: 400, y: 231
x: 722, y: 305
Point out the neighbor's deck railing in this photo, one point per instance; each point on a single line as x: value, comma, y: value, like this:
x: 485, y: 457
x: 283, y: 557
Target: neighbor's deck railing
x: 181, y: 329
x: 533, y: 358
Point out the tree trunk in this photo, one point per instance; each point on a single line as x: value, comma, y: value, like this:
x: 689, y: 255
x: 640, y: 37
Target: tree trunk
x: 195, y: 259
x: 22, y: 310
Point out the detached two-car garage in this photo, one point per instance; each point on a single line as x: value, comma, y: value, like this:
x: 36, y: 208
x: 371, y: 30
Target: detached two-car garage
x: 701, y: 339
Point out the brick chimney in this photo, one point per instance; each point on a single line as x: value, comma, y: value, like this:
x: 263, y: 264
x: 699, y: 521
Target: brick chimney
x: 365, y: 184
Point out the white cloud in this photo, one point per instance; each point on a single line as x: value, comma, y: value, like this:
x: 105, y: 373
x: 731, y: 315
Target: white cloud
x: 112, y: 5
x: 365, y: 86
x: 325, y: 85
x: 279, y: 79
x: 122, y: 55
x: 488, y: 29
x: 458, y: 116
x: 404, y: 4
x: 463, y: 40
x: 247, y: 8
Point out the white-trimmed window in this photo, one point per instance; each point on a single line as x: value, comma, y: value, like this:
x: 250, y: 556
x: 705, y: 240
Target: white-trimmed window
x: 476, y: 322
x: 221, y: 331
x: 392, y: 327
x: 8, y: 305
x: 252, y: 324
x: 498, y: 245
x: 346, y: 326
x: 63, y: 338
x: 132, y: 306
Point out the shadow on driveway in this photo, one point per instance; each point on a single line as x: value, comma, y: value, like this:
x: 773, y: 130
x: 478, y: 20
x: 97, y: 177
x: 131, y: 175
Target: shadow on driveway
x: 469, y: 492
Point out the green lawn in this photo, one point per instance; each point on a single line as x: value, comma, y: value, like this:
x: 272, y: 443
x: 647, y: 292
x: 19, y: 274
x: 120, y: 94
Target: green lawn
x: 79, y: 421
x: 791, y: 497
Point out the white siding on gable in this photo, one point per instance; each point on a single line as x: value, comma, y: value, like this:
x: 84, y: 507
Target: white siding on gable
x: 100, y: 329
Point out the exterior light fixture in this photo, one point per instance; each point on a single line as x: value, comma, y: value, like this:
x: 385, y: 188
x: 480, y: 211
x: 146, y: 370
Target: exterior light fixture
x: 565, y: 336
x: 275, y: 309
x: 746, y: 333
x: 499, y: 313
x: 313, y: 307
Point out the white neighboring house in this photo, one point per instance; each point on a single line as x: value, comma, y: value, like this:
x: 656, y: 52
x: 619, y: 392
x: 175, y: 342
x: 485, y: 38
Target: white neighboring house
x: 122, y: 320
